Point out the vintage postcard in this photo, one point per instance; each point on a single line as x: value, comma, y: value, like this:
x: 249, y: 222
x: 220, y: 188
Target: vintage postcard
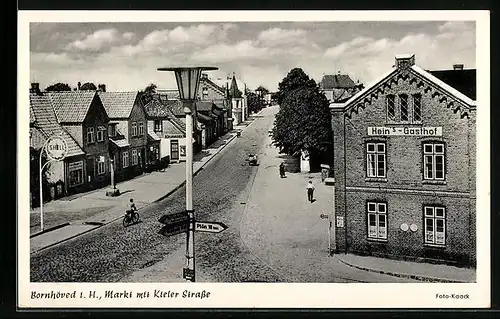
x: 263, y: 159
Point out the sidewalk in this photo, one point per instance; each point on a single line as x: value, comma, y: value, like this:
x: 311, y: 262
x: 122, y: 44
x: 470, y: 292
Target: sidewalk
x: 285, y: 231
x: 70, y: 217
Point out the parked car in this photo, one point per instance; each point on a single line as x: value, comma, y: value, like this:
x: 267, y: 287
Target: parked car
x: 252, y: 159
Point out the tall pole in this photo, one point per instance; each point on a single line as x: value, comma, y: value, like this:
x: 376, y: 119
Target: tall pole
x: 190, y: 261
x: 41, y: 191
x: 112, y: 173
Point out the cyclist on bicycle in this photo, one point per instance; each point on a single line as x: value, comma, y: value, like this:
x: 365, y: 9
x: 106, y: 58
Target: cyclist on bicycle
x: 133, y: 208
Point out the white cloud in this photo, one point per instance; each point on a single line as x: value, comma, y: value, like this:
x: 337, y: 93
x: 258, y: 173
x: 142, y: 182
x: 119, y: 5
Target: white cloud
x: 367, y: 58
x: 279, y: 35
x: 128, y: 35
x: 225, y: 52
x: 50, y: 58
x: 95, y: 41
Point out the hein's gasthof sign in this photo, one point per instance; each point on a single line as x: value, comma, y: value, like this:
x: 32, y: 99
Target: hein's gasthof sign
x: 404, y: 131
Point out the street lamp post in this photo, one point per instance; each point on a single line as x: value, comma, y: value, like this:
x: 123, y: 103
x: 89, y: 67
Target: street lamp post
x: 188, y: 79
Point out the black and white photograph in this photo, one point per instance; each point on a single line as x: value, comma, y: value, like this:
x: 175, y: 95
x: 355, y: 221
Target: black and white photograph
x: 314, y: 159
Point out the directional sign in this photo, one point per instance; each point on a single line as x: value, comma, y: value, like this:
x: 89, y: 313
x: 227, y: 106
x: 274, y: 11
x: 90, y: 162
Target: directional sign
x: 174, y: 229
x: 209, y: 227
x: 174, y: 218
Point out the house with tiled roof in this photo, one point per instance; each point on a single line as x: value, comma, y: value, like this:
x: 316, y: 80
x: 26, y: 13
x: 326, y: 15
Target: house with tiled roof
x: 83, y: 116
x: 212, y: 118
x: 404, y: 163
x: 338, y: 87
x: 217, y: 91
x: 168, y: 127
x: 127, y: 133
x: 81, y: 120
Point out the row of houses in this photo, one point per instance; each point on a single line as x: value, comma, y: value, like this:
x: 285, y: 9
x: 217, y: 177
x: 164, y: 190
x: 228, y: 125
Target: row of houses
x: 125, y: 130
x: 405, y: 166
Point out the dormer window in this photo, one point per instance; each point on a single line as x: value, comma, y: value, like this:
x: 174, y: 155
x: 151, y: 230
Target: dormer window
x: 112, y: 130
x: 205, y: 93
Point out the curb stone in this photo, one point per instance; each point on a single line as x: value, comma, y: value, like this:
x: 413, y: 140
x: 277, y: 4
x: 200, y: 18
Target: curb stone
x: 401, y: 275
x: 50, y: 229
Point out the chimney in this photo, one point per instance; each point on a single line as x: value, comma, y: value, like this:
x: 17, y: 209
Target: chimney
x: 79, y: 85
x: 405, y: 61
x: 458, y: 67
x: 102, y: 87
x: 35, y: 88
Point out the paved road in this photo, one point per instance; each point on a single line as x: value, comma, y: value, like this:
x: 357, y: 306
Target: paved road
x: 221, y: 189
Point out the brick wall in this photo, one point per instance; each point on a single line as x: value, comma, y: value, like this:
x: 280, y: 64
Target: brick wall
x: 403, y: 188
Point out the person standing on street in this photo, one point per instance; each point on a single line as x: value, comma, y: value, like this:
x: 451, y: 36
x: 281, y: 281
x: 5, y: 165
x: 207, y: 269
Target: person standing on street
x: 310, y: 191
x: 282, y: 170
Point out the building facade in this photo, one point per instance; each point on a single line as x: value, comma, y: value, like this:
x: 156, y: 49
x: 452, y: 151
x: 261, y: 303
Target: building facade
x: 338, y: 87
x: 218, y: 94
x: 404, y: 169
x: 127, y: 131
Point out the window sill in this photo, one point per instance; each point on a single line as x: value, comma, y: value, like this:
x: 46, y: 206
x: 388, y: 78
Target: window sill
x: 433, y: 182
x: 435, y: 246
x: 377, y: 240
x: 376, y: 179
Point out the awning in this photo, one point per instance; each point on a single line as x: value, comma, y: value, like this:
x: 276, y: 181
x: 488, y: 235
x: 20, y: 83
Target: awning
x: 120, y: 143
x: 152, y: 136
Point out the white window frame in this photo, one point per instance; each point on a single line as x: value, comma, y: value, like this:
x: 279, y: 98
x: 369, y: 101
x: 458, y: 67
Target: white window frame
x: 70, y: 184
x: 391, y: 98
x: 100, y: 135
x: 101, y: 167
x: 434, y: 215
x: 141, y: 128
x: 158, y: 128
x: 373, y: 157
x: 125, y: 159
x: 90, y: 132
x: 204, y: 92
x: 431, y: 153
x: 134, y: 128
x: 135, y: 158
x: 377, y: 210
x: 111, y: 130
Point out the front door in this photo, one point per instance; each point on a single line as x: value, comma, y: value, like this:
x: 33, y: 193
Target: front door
x: 174, y: 150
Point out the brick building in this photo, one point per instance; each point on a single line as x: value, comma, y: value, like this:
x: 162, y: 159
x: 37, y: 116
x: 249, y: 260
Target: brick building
x: 80, y: 118
x: 404, y: 167
x: 127, y: 133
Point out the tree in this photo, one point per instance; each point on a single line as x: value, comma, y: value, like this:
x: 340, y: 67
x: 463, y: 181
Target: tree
x: 295, y: 79
x: 88, y: 87
x: 253, y: 102
x: 58, y: 87
x: 148, y: 93
x: 303, y: 123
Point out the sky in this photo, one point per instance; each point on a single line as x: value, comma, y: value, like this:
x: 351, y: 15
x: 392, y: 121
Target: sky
x: 125, y: 55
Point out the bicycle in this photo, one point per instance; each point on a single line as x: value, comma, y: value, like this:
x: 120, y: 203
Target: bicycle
x: 130, y: 218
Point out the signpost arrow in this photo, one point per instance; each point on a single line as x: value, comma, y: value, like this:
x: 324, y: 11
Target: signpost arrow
x: 174, y: 218
x: 174, y: 229
x: 210, y: 227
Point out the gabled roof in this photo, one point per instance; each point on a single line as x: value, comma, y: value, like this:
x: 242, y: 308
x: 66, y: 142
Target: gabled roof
x: 462, y: 80
x: 45, y: 120
x: 221, y: 88
x: 172, y: 130
x: 71, y: 106
x: 152, y: 136
x: 118, y: 104
x: 336, y: 81
x: 164, y: 109
x: 420, y: 73
x: 204, y: 106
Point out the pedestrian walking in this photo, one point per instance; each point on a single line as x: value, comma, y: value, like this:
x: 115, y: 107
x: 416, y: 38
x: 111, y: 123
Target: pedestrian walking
x: 282, y: 170
x: 310, y: 191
